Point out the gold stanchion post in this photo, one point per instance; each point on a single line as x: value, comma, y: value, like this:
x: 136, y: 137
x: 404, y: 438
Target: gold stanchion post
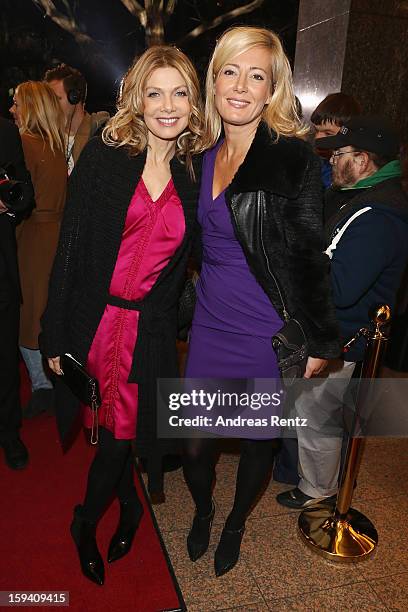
x: 343, y: 533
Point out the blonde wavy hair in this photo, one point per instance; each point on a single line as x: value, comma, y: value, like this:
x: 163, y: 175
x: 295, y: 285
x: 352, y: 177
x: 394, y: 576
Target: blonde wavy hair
x: 127, y: 127
x: 41, y: 114
x: 280, y: 114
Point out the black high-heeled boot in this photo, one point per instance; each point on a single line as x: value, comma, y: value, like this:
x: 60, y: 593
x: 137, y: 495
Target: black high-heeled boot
x: 228, y: 549
x: 131, y: 512
x: 84, y: 535
x: 199, y: 537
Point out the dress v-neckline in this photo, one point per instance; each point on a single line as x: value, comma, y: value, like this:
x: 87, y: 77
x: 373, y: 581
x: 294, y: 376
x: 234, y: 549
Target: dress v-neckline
x: 162, y: 196
x: 217, y: 148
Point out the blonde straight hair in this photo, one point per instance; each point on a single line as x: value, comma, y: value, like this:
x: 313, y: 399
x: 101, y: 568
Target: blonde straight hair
x: 41, y: 114
x: 127, y: 127
x: 280, y: 114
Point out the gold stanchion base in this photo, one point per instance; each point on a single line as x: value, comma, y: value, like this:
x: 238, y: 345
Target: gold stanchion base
x: 351, y: 539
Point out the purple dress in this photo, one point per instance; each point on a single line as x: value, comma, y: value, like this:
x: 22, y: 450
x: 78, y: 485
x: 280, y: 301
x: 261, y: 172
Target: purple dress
x: 234, y: 319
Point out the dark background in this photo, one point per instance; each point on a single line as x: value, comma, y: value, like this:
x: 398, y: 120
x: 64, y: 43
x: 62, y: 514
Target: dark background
x: 30, y: 42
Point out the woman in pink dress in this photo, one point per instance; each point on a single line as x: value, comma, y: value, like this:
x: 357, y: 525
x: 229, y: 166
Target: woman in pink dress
x: 125, y: 239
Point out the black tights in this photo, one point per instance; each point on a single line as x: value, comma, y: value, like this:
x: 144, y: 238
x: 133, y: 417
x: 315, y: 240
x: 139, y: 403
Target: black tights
x: 254, y: 466
x: 111, y: 472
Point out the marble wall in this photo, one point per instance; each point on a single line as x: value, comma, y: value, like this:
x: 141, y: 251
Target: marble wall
x: 358, y: 47
x: 376, y: 59
x: 320, y: 50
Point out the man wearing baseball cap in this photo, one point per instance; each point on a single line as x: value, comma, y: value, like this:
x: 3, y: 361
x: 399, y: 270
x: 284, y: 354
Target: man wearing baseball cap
x: 367, y: 237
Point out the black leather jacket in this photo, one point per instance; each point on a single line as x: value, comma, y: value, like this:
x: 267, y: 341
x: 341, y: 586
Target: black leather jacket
x: 276, y: 205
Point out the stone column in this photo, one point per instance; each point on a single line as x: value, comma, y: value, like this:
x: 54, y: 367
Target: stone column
x: 359, y: 47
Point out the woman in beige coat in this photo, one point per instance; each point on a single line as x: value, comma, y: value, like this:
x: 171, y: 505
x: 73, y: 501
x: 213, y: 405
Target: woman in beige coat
x: 37, y: 113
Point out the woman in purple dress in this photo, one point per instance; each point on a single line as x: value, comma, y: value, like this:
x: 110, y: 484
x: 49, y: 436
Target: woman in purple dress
x: 125, y: 239
x: 260, y: 214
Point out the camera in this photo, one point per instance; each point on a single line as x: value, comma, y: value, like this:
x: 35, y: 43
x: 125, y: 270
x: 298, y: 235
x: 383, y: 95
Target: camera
x: 11, y: 192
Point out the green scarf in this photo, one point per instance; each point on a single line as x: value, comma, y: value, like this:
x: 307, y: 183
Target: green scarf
x: 390, y: 170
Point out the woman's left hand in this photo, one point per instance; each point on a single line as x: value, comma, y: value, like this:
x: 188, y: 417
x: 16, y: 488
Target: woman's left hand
x: 314, y: 366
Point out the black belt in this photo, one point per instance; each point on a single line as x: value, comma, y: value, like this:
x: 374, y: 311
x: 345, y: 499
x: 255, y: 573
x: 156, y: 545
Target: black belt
x: 153, y: 325
x: 114, y: 300
x: 152, y: 320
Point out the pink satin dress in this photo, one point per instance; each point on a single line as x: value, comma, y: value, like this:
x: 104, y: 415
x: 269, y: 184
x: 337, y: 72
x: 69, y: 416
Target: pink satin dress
x: 153, y: 231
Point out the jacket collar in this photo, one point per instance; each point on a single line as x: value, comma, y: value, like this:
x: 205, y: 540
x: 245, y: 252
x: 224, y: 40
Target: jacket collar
x: 387, y: 196
x: 270, y: 165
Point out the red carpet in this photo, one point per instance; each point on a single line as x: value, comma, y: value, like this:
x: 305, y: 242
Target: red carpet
x: 37, y: 552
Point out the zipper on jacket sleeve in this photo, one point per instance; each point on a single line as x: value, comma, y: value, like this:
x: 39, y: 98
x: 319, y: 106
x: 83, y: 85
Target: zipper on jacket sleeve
x: 286, y: 315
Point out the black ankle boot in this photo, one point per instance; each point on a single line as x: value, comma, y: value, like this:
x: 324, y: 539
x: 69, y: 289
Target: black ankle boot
x: 131, y: 511
x: 228, y: 549
x: 84, y: 535
x: 199, y: 537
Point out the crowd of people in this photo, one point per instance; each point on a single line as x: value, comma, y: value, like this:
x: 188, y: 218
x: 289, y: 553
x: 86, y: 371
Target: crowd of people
x: 116, y: 208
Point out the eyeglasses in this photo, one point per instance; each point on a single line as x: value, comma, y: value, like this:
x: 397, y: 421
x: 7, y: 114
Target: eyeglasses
x: 338, y: 153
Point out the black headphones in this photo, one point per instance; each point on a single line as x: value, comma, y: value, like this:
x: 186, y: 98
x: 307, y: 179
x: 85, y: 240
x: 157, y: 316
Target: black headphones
x: 74, y: 96
x: 74, y: 89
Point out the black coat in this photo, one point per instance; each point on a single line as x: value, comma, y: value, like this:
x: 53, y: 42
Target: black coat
x: 12, y: 160
x: 99, y: 193
x: 276, y: 205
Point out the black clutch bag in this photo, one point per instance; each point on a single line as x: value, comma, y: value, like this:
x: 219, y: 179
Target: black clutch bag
x: 289, y: 344
x: 291, y: 349
x: 83, y: 386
